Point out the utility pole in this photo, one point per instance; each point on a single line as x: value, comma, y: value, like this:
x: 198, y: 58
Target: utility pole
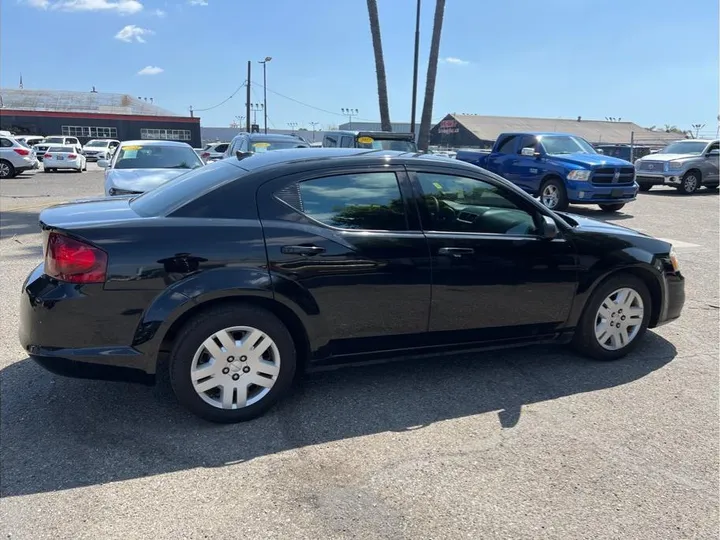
x: 697, y: 128
x: 264, y: 63
x: 247, y: 98
x: 349, y: 113
x: 415, y: 69
x: 292, y: 126
x: 313, y: 124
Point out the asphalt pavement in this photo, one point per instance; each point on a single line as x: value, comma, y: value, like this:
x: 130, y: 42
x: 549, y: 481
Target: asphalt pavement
x: 529, y: 443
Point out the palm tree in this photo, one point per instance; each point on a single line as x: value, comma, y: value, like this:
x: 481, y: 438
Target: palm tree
x: 426, y: 118
x: 379, y: 66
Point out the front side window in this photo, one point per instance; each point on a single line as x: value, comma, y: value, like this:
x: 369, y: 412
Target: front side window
x: 528, y: 141
x: 156, y: 156
x: 330, y: 142
x: 460, y: 204
x: 367, y: 201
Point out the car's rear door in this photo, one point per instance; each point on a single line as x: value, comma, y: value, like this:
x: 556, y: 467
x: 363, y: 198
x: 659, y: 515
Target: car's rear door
x: 344, y: 244
x: 494, y: 277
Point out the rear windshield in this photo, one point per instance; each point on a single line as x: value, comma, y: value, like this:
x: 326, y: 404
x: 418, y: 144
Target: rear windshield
x: 264, y: 146
x: 98, y: 143
x: 157, y: 156
x: 61, y: 149
x: 170, y: 196
x: 401, y: 146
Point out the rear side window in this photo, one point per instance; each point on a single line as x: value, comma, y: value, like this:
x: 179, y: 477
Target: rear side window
x: 172, y: 195
x: 221, y: 148
x: 6, y: 143
x: 507, y: 144
x: 330, y: 142
x: 367, y: 201
x: 347, y: 142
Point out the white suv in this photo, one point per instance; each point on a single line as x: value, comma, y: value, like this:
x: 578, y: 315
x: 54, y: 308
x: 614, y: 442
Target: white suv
x: 99, y: 149
x: 15, y: 158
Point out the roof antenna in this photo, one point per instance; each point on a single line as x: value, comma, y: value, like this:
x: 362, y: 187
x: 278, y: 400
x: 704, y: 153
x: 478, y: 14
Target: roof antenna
x: 21, y: 83
x: 93, y: 91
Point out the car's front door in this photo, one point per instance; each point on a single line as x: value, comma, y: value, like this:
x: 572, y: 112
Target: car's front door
x: 344, y: 245
x: 526, y: 169
x: 494, y: 276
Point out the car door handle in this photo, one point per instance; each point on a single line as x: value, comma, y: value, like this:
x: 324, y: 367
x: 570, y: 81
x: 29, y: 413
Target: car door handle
x: 455, y: 251
x: 302, y: 250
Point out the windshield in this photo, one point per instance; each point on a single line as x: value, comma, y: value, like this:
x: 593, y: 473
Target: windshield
x: 55, y: 140
x: 157, y: 156
x: 98, y: 143
x: 264, y: 146
x: 169, y: 196
x: 684, y: 147
x: 565, y: 144
x: 389, y: 144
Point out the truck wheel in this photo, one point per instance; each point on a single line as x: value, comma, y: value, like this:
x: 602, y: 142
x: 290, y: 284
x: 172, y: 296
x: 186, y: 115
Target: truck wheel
x: 611, y: 207
x: 645, y: 187
x: 553, y: 195
x: 690, y: 183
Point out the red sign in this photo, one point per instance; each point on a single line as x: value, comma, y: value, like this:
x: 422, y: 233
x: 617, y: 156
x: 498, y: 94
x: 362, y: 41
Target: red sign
x: 449, y: 126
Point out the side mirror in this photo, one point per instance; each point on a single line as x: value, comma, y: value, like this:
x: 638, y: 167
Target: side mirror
x: 527, y: 152
x: 549, y: 228
x: 600, y: 150
x: 242, y: 155
x: 103, y: 163
x: 713, y: 154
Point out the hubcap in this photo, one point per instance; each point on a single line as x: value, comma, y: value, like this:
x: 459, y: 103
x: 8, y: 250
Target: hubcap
x: 4, y: 170
x: 619, y: 318
x: 550, y: 196
x: 235, y: 367
x: 691, y: 183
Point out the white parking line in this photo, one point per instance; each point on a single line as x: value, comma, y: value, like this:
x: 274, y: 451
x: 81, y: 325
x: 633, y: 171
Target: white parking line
x: 679, y: 243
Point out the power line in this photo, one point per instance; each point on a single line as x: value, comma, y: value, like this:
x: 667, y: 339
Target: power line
x: 306, y: 104
x: 224, y: 101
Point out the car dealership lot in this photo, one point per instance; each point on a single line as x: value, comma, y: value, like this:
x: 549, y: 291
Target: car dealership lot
x: 515, y: 444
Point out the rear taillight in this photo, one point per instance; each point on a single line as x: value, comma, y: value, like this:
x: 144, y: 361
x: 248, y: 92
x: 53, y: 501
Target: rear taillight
x: 205, y: 155
x: 47, y: 156
x: 72, y: 156
x: 74, y: 261
x: 22, y: 151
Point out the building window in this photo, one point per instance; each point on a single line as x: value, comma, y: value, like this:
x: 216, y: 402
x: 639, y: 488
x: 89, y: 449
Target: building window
x: 165, y: 134
x: 90, y: 131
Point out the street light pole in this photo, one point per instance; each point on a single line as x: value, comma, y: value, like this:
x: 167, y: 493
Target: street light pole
x: 313, y: 124
x: 264, y: 63
x: 349, y: 113
x: 415, y: 69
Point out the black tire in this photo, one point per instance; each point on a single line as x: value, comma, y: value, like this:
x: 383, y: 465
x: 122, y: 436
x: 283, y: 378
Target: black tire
x: 198, y: 329
x: 611, y: 207
x: 562, y: 203
x: 7, y: 170
x: 645, y: 187
x: 691, y: 182
x: 585, y: 341
x: 49, y: 170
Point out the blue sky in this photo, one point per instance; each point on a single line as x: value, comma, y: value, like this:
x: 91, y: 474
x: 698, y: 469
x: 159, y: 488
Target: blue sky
x: 654, y: 62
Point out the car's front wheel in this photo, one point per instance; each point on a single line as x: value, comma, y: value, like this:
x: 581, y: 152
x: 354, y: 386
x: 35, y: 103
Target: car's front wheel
x: 690, y: 183
x: 232, y: 364
x: 553, y: 195
x: 615, y: 318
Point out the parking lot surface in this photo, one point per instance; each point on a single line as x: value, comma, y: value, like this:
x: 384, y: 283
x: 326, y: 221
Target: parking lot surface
x: 529, y: 443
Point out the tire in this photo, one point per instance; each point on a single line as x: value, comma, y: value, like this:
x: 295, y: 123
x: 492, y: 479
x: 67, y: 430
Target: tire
x: 645, y: 187
x: 559, y: 191
x: 189, y: 351
x: 7, y: 170
x: 585, y: 340
x: 691, y: 182
x: 611, y: 207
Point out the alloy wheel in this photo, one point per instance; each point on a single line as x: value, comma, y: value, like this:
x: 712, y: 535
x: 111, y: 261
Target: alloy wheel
x: 691, y: 183
x: 550, y: 196
x: 4, y: 170
x: 619, y: 319
x: 235, y: 367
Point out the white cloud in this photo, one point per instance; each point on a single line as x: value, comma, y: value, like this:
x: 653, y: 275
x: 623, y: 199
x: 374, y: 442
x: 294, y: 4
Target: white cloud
x: 132, y: 33
x: 40, y: 4
x: 150, y: 70
x: 198, y: 2
x: 454, y: 60
x: 160, y: 13
x: 123, y: 7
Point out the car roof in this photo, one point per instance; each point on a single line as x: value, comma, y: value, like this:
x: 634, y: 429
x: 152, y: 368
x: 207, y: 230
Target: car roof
x: 273, y: 137
x: 153, y: 142
x: 354, y: 156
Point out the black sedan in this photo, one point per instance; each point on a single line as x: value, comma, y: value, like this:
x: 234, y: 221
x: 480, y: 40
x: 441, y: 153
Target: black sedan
x: 240, y: 274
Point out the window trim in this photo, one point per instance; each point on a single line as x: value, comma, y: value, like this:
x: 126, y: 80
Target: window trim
x: 165, y: 134
x: 277, y: 184
x: 89, y: 131
x: 514, y: 198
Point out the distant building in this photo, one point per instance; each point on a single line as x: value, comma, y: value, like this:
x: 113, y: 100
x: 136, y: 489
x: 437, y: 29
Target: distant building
x: 397, y: 127
x: 470, y: 130
x: 92, y: 115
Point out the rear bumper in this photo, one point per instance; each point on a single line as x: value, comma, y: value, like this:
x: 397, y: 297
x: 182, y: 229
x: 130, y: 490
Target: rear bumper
x: 67, y: 328
x: 588, y: 193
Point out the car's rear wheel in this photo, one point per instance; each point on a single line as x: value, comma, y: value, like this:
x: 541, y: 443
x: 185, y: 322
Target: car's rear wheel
x: 690, y: 183
x: 232, y: 364
x: 553, y: 195
x: 615, y: 318
x: 6, y: 169
x: 611, y: 207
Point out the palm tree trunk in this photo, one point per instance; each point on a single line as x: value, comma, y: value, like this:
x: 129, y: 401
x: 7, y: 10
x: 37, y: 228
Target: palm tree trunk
x: 426, y: 118
x: 379, y: 66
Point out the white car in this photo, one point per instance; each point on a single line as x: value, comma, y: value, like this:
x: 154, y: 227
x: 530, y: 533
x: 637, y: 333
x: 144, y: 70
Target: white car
x: 15, y: 158
x: 100, y: 148
x: 56, y: 140
x: 63, y: 157
x: 30, y: 140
